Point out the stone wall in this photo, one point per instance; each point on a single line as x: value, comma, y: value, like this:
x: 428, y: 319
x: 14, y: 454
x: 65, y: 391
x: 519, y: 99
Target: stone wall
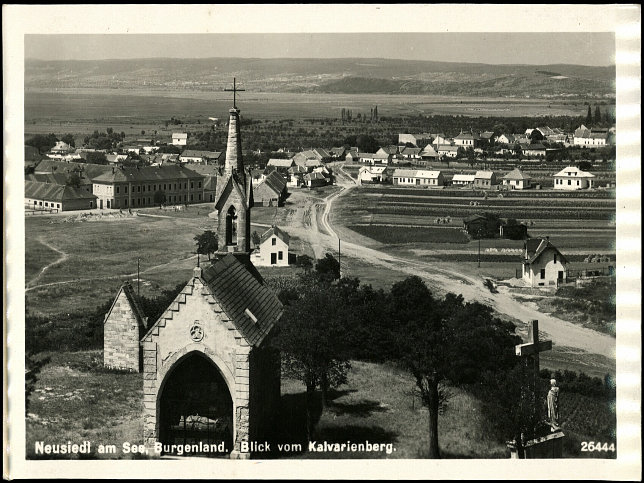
x: 121, y: 348
x: 171, y: 339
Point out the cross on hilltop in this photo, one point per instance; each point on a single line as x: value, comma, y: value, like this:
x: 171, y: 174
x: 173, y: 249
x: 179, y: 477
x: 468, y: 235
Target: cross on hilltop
x: 234, y: 90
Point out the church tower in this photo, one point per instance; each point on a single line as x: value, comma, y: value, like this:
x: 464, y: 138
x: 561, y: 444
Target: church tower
x: 234, y: 196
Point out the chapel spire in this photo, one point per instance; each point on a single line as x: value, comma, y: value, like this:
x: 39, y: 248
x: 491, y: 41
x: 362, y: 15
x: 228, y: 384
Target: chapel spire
x: 234, y: 159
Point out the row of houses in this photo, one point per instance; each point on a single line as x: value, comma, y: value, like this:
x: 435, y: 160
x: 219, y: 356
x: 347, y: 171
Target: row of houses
x: 570, y: 178
x: 111, y: 187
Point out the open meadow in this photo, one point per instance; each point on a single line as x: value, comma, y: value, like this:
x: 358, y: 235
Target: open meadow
x: 76, y: 399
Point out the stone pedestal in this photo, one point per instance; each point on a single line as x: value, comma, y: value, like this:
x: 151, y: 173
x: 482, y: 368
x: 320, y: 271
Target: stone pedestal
x: 549, y: 446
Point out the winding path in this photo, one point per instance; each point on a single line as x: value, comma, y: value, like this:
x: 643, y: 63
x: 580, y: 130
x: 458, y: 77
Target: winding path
x: 63, y: 256
x: 562, y: 333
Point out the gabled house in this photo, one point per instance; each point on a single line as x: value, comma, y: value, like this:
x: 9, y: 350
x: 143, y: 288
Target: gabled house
x: 338, y: 153
x: 179, y: 138
x: 373, y: 174
x: 506, y: 139
x: 280, y: 165
x: 49, y: 196
x: 271, y: 191
x: 429, y: 153
x: 417, y: 177
x: 447, y: 151
x: 61, y: 147
x: 487, y: 138
x: 516, y: 180
x: 484, y: 179
x: 463, y: 179
x: 203, y: 157
x: 543, y: 264
x: 573, y: 178
x: 315, y: 180
x: 537, y: 150
x: 272, y: 250
x: 467, y: 140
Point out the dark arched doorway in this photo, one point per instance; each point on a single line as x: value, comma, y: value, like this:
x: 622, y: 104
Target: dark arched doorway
x: 231, y: 226
x: 195, y: 405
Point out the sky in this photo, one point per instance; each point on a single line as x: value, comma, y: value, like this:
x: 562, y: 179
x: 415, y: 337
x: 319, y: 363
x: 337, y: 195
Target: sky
x: 539, y: 48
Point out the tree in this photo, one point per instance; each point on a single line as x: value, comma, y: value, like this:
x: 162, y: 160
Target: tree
x: 585, y: 165
x: 43, y: 142
x: 598, y: 115
x: 207, y: 243
x: 536, y: 136
x: 74, y: 180
x: 305, y: 262
x: 96, y: 158
x: 446, y: 341
x: 328, y: 268
x: 69, y: 139
x: 159, y: 197
x: 312, y: 338
x: 589, y: 116
x: 367, y: 144
x: 256, y: 238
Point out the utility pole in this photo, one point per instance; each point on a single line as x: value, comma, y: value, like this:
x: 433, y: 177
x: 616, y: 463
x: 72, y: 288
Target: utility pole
x: 479, y: 250
x: 339, y: 258
x: 138, y: 277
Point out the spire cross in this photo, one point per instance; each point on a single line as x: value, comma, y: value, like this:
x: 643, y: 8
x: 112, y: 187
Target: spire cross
x: 234, y: 90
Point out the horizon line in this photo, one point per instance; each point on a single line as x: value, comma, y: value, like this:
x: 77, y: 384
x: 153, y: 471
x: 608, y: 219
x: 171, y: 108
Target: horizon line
x: 309, y: 58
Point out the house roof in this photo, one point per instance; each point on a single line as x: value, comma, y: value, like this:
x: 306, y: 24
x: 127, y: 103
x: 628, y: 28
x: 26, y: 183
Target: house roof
x: 484, y: 175
x: 428, y: 151
x: 391, y: 149
x: 574, y: 172
x: 180, y: 135
x: 338, y: 151
x: 464, y: 177
x: 416, y: 173
x: 446, y: 147
x: 536, y: 246
x: 509, y: 137
x: 192, y: 153
x: 487, y: 135
x: 89, y: 170
x: 147, y: 173
x: 314, y: 175
x: 281, y: 163
x: 208, y: 170
x: 535, y: 147
x: 516, y: 174
x: 274, y: 181
x: 239, y: 287
x: 53, y: 178
x: 55, y: 192
x: 472, y: 218
x: 467, y: 135
x: 274, y: 230
x: 411, y: 151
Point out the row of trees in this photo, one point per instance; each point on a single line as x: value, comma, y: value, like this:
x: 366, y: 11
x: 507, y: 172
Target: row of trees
x: 329, y: 321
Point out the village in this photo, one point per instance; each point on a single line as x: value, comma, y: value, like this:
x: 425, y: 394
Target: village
x: 492, y: 217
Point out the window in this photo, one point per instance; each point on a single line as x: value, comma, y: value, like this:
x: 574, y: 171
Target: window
x: 192, y: 185
x: 155, y: 187
x: 164, y: 186
x: 125, y: 191
x: 274, y: 241
x: 199, y: 196
x: 543, y: 273
x: 57, y: 205
x: 569, y: 183
x: 117, y: 190
x: 280, y: 255
x: 185, y: 186
x: 138, y: 189
x: 555, y: 258
x: 199, y: 184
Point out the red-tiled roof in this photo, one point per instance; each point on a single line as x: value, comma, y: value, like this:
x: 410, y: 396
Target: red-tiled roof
x: 147, y: 173
x: 274, y: 230
x: 55, y: 192
x: 536, y: 246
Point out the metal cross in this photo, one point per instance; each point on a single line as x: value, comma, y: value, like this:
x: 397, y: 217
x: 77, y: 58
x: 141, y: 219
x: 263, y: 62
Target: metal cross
x: 234, y: 90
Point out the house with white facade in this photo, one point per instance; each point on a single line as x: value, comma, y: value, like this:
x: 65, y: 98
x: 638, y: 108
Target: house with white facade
x: 447, y: 151
x: 272, y: 250
x: 372, y: 174
x: 543, y: 264
x: 463, y: 179
x: 467, y: 140
x: 587, y: 137
x: 573, y: 178
x: 179, y: 138
x: 484, y: 179
x: 517, y: 180
x: 417, y: 177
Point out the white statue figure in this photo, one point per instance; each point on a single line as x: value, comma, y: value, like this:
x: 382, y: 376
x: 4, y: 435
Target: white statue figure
x: 553, y: 406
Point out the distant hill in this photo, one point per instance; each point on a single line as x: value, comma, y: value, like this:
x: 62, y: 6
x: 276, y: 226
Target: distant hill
x: 347, y: 76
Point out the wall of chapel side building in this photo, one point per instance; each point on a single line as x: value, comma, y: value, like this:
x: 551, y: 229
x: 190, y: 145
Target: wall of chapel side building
x: 264, y: 395
x: 121, y: 337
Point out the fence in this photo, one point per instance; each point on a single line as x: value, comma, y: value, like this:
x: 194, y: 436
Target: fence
x: 30, y: 211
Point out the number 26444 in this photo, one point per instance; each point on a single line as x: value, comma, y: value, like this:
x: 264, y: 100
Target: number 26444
x: 592, y: 446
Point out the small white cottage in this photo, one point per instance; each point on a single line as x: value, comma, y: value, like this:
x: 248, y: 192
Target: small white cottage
x: 273, y: 249
x: 543, y: 263
x: 573, y: 178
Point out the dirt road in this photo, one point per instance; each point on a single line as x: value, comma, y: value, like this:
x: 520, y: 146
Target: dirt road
x: 447, y: 278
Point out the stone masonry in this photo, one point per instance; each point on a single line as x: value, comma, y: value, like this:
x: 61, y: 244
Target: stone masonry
x: 124, y: 324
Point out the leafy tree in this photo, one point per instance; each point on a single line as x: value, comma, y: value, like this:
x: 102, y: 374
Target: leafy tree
x: 598, y: 115
x: 589, y: 117
x: 256, y: 238
x: 367, y: 143
x: 43, y: 142
x: 328, y: 268
x: 536, y: 136
x: 74, y: 180
x: 96, y: 158
x: 207, y: 243
x: 69, y: 139
x: 305, y: 262
x: 159, y: 197
x: 312, y: 339
x: 446, y: 341
x: 585, y: 165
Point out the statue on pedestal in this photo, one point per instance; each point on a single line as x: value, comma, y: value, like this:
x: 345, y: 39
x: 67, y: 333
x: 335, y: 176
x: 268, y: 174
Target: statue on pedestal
x: 553, y: 406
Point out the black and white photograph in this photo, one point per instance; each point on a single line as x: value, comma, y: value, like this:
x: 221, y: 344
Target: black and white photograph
x: 237, y: 237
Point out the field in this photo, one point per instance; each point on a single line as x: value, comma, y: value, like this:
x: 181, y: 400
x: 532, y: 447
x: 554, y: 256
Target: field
x: 87, y: 261
x: 399, y: 216
x: 47, y: 109
x: 76, y: 399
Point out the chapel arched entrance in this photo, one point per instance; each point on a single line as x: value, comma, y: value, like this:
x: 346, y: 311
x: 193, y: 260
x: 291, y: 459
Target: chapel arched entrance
x: 195, y: 404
